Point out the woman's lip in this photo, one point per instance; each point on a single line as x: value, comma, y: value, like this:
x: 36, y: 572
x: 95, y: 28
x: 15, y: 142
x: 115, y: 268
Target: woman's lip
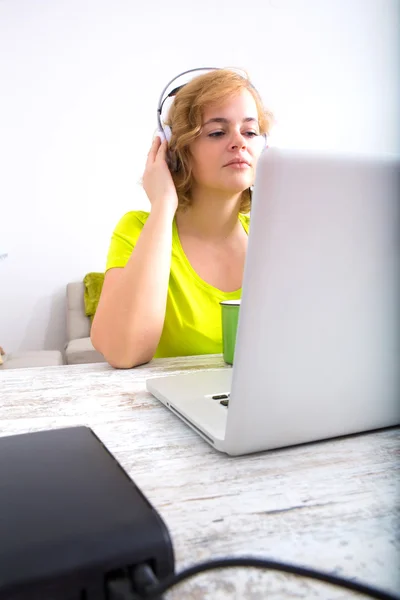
x: 238, y: 165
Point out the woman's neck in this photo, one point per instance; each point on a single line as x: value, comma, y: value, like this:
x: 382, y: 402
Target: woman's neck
x: 211, y: 216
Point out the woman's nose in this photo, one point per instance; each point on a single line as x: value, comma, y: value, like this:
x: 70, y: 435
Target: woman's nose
x: 238, y: 141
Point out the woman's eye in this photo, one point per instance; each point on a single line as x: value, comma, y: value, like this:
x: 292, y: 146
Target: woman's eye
x: 216, y: 134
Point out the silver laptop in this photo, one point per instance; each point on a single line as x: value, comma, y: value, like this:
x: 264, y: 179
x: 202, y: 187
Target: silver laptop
x: 318, y: 343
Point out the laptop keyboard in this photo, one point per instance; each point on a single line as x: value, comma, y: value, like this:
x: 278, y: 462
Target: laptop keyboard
x: 223, y: 398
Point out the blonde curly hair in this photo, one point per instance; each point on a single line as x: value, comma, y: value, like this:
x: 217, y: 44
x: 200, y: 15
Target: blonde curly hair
x: 185, y: 121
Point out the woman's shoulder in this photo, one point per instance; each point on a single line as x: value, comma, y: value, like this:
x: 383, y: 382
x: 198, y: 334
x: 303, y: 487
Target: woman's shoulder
x: 132, y: 220
x: 124, y: 238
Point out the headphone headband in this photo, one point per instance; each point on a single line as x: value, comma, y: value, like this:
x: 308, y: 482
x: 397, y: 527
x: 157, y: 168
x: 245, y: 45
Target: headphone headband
x: 176, y: 89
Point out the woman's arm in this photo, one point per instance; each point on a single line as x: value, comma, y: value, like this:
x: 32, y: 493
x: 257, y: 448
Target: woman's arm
x: 130, y: 315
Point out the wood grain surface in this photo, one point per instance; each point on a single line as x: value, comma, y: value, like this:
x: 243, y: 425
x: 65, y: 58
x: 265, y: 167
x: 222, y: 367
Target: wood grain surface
x: 332, y: 505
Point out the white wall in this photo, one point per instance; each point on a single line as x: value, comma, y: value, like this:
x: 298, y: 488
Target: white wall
x: 79, y: 84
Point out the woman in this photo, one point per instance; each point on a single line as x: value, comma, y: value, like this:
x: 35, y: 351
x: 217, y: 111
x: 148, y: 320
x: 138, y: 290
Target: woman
x: 168, y: 270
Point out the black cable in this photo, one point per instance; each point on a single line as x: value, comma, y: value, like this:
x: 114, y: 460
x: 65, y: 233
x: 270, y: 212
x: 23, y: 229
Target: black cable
x: 156, y: 591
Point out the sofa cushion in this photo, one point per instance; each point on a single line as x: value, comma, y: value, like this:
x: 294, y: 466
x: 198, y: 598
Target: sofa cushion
x: 36, y: 358
x: 93, y: 286
x: 81, y: 351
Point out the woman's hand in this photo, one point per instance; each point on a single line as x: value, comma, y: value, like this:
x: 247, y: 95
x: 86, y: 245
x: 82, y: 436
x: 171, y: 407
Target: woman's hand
x: 157, y: 179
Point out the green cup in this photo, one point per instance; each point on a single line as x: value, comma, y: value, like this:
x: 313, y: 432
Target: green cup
x: 230, y: 317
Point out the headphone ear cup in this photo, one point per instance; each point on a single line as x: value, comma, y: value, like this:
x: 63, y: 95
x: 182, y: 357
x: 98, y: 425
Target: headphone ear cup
x: 161, y: 135
x: 265, y: 141
x: 168, y: 133
x: 172, y: 158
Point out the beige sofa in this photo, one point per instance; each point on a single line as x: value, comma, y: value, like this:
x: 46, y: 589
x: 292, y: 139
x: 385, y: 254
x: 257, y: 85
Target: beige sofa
x: 33, y: 358
x: 78, y: 349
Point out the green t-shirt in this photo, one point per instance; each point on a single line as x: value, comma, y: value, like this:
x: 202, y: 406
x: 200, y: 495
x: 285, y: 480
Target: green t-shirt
x: 193, y: 314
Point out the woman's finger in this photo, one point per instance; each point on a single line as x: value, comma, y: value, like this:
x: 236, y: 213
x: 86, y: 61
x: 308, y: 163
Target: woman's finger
x: 162, y: 150
x: 151, y: 157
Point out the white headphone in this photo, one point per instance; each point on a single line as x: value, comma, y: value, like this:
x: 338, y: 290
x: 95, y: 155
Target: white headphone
x: 165, y: 133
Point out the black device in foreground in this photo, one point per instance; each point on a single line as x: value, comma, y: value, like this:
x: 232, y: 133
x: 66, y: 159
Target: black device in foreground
x: 71, y: 519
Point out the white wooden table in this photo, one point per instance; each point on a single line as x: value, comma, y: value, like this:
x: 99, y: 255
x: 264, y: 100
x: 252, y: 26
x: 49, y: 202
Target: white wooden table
x: 332, y: 505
